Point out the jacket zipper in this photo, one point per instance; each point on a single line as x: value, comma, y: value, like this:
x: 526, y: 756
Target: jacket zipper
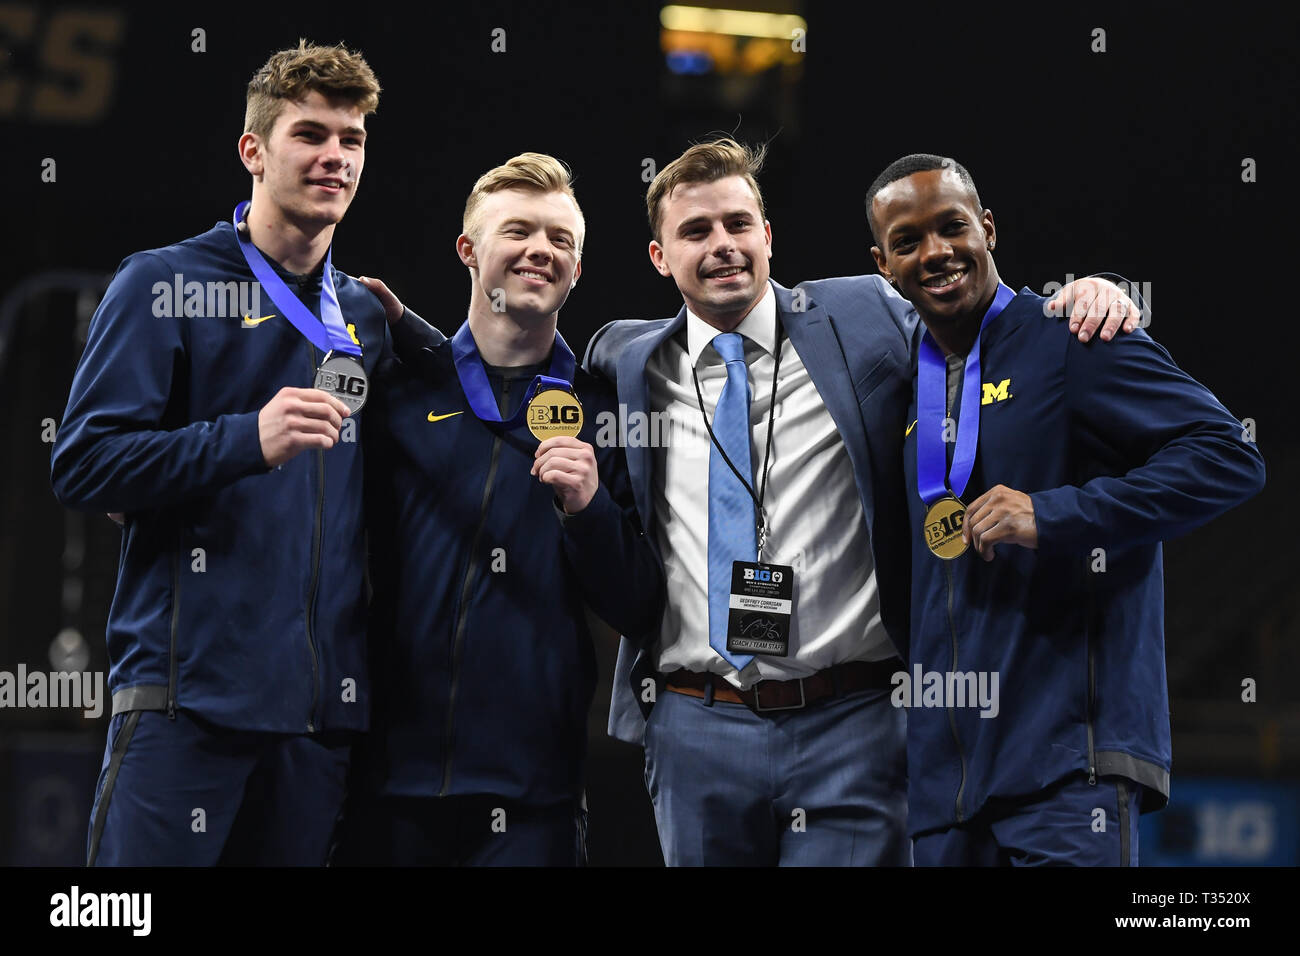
x: 316, y: 535
x: 462, y: 613
x: 952, y: 718
x: 176, y: 616
x: 1092, y: 682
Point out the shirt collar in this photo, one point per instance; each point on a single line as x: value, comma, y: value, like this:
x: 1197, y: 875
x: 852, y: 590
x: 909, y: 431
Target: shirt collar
x: 758, y: 327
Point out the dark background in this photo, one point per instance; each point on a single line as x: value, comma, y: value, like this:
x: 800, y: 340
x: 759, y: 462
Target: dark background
x: 1128, y: 160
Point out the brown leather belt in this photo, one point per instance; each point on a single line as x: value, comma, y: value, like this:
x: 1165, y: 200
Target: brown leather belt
x: 769, y: 695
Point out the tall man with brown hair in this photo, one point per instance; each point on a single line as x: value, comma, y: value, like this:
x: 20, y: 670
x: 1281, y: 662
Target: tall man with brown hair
x: 779, y: 510
x: 236, y: 635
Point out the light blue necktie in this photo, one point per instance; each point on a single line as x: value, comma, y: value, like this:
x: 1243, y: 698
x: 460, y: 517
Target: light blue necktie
x: 732, y: 535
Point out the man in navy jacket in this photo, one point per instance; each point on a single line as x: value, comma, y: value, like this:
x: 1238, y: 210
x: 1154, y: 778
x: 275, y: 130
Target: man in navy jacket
x: 794, y: 758
x: 1039, y: 720
x: 236, y: 635
x: 488, y: 543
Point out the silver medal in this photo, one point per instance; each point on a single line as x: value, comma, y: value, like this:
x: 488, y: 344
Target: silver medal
x: 344, y: 377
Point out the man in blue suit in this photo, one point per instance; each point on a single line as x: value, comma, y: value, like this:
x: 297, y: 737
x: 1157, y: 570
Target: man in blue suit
x: 777, y: 503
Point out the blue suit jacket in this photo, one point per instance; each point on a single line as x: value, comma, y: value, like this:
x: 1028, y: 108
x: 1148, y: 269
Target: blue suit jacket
x: 853, y: 336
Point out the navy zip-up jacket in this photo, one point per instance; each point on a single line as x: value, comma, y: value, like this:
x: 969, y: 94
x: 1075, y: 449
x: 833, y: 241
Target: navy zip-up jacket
x: 240, y: 588
x: 1118, y: 449
x: 484, y: 664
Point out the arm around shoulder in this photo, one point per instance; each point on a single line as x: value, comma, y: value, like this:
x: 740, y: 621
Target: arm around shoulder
x: 601, y: 358
x: 412, y: 333
x: 1189, y: 458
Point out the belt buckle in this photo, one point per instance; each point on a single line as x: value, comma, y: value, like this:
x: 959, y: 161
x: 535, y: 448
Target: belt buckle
x: 760, y: 709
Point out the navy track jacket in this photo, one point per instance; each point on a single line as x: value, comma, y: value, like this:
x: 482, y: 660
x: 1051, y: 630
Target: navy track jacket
x: 1118, y: 449
x: 483, y: 660
x: 240, y: 588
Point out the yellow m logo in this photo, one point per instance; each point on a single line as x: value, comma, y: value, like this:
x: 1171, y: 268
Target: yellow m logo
x: 996, y: 393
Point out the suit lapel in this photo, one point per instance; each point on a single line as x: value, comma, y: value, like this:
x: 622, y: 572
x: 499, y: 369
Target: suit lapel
x: 813, y: 336
x: 634, y: 394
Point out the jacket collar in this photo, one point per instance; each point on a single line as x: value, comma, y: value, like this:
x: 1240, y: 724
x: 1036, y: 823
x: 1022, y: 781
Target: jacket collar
x: 812, y: 333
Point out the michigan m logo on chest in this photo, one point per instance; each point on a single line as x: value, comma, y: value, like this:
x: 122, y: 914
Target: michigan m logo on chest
x: 996, y: 393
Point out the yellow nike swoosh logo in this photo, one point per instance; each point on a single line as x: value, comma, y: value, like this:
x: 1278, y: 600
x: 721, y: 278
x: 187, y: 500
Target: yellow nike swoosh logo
x: 438, y: 418
x: 909, y: 429
x: 252, y: 323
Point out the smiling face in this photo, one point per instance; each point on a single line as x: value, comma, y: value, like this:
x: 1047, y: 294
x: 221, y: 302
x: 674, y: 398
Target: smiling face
x: 526, y: 245
x: 935, y: 243
x: 716, y: 246
x: 309, y: 167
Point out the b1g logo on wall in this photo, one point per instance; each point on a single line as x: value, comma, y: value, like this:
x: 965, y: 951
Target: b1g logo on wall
x: 554, y: 412
x: 343, y: 377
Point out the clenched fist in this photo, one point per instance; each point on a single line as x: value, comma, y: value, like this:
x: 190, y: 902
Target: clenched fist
x: 297, y: 419
x: 569, y: 467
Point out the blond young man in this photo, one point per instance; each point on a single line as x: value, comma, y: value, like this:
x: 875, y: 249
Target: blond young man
x: 763, y: 699
x: 495, y: 523
x: 236, y: 635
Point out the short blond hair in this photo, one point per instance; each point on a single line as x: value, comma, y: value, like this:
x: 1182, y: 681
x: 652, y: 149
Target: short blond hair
x: 532, y: 172
x: 705, y: 163
x: 289, y: 75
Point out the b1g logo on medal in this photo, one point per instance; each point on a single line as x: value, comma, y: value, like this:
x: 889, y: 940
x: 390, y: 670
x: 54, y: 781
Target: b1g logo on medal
x: 942, y: 528
x: 554, y: 412
x: 343, y: 377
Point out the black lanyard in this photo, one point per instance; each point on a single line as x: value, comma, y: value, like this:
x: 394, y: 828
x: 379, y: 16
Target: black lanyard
x: 761, y: 525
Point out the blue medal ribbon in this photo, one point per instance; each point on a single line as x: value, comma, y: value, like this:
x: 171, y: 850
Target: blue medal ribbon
x: 331, y: 332
x: 933, y: 476
x: 478, y: 390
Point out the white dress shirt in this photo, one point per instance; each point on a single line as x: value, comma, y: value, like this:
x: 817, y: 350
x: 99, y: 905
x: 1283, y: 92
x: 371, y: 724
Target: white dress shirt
x: 815, y: 518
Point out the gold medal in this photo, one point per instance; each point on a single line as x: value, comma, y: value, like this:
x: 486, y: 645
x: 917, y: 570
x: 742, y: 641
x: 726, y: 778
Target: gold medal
x: 554, y: 412
x: 941, y: 528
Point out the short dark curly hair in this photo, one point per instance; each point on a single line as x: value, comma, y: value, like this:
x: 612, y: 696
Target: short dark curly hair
x: 917, y: 163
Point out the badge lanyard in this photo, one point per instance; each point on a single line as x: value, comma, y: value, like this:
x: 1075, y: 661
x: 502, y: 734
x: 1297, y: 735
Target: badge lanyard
x: 761, y: 524
x: 478, y: 391
x: 940, y: 485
